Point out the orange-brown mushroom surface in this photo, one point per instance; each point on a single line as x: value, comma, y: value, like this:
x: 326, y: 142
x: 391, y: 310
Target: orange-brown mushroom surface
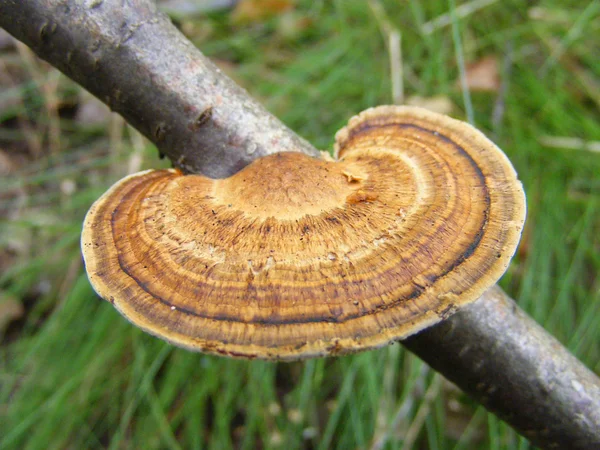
x: 295, y: 256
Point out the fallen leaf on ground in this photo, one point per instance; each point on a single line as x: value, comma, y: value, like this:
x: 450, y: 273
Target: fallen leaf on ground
x: 483, y: 75
x: 248, y: 11
x: 291, y: 25
x: 439, y: 104
x: 10, y: 309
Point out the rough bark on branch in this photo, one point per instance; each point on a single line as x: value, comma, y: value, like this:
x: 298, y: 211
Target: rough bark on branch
x: 502, y: 358
x: 133, y: 59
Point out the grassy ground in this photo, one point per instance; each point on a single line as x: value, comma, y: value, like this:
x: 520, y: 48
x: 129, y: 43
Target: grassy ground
x: 74, y: 374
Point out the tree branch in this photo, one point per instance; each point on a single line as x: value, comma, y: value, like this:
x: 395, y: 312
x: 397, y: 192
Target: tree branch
x: 502, y: 358
x: 132, y: 58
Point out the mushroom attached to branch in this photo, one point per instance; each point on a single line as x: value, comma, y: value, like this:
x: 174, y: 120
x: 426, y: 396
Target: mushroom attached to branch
x: 297, y: 257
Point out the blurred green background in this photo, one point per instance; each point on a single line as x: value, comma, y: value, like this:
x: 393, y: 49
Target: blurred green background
x: 74, y: 374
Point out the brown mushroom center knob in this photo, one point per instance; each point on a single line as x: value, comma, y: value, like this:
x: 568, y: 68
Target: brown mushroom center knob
x: 296, y: 257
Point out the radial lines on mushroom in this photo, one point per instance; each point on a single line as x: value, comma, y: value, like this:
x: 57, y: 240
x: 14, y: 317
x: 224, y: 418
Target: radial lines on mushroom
x: 296, y: 257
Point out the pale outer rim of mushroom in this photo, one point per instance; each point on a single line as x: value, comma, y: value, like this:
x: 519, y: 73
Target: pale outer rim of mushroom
x: 318, y: 348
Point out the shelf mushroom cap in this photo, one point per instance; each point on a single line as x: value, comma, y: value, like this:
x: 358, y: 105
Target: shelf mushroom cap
x: 296, y: 257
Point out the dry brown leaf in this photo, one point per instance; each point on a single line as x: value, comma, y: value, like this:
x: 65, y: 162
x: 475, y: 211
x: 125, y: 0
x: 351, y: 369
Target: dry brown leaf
x: 483, y: 75
x: 291, y: 25
x: 11, y: 309
x: 248, y: 11
x: 439, y: 104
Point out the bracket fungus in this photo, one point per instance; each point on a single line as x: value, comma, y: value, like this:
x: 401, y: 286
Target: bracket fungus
x: 296, y: 257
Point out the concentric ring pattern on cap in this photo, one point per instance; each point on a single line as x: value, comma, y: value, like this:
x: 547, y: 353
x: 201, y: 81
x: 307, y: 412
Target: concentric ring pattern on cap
x: 295, y: 257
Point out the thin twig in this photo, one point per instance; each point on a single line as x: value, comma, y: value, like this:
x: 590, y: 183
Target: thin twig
x: 570, y: 143
x: 116, y: 126
x: 395, y: 39
x: 383, y: 21
x: 137, y: 143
